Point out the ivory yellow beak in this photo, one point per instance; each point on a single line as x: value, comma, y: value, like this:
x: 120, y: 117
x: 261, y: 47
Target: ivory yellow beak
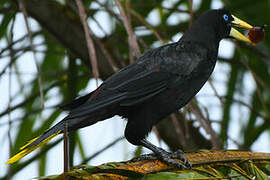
x: 236, y: 34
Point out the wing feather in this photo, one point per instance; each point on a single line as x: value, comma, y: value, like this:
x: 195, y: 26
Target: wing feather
x: 133, y: 91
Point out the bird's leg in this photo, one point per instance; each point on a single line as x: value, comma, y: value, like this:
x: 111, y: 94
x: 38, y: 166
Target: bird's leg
x: 167, y: 157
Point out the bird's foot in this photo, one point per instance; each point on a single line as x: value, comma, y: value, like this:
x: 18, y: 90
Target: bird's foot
x: 149, y: 157
x: 170, y: 158
x: 179, y: 154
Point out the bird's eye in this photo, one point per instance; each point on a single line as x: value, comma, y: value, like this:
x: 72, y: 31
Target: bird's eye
x: 225, y: 17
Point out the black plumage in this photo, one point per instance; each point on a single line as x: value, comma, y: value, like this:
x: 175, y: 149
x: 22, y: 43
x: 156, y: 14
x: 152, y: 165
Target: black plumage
x: 159, y: 83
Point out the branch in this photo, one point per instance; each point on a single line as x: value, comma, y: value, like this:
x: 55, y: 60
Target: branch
x: 149, y: 26
x: 30, y: 98
x: 206, y: 124
x: 65, y: 26
x: 180, y: 135
x: 25, y: 15
x: 191, y: 12
x: 89, y: 40
x: 131, y: 36
x: 206, y: 165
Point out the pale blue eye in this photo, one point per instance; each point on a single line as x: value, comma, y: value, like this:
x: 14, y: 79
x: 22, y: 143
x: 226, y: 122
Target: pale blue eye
x: 225, y: 17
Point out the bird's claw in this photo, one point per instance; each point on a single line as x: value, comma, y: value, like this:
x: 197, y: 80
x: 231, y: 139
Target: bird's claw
x: 168, y: 157
x: 179, y: 154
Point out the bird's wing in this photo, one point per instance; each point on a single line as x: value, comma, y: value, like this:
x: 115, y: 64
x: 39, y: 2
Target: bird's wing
x: 144, y: 87
x: 153, y: 73
x: 77, y: 102
x: 125, y: 91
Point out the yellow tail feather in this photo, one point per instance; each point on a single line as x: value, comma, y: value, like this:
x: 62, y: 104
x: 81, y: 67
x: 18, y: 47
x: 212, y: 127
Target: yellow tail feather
x: 24, y: 151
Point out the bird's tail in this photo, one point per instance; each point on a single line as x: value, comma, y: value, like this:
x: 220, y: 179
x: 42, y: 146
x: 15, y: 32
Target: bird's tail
x: 72, y: 123
x: 38, y: 141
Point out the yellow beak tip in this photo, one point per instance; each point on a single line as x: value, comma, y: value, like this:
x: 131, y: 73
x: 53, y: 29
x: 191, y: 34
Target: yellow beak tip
x: 239, y: 23
x: 236, y: 34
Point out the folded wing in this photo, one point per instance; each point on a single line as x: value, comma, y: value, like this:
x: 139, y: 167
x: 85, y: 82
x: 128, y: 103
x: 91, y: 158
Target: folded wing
x: 123, y: 91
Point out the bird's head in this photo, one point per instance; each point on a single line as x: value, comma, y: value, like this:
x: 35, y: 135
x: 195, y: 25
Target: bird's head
x: 216, y: 25
x: 226, y: 22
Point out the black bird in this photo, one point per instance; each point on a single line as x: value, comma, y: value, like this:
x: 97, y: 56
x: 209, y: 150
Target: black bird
x: 160, y: 82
